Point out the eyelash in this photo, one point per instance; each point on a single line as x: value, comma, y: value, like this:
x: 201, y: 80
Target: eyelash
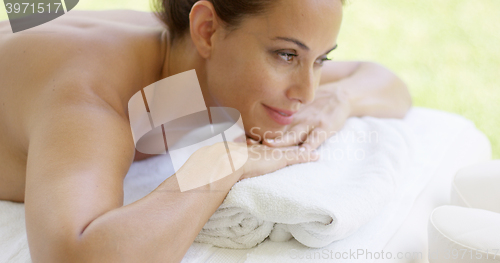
x: 290, y: 55
x: 286, y: 54
x: 323, y: 60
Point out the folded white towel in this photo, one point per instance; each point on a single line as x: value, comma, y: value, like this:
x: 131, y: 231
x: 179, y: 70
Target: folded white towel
x: 317, y: 203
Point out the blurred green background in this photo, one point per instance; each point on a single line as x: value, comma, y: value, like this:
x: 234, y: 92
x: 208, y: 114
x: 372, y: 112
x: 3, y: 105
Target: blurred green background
x: 447, y: 51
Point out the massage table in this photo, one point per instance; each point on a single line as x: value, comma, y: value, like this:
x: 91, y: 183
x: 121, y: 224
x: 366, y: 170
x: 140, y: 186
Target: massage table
x: 404, y: 233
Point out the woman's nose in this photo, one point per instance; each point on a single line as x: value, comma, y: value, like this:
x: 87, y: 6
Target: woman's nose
x: 303, y: 87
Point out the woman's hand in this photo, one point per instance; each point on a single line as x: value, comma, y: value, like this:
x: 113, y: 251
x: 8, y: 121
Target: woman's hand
x: 317, y: 121
x: 250, y: 161
x: 263, y: 159
x: 210, y: 164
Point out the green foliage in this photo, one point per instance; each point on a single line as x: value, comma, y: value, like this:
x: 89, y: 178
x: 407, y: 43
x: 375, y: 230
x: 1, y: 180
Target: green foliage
x: 446, y: 51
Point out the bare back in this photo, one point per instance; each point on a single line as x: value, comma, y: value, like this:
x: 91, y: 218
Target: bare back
x: 83, y: 55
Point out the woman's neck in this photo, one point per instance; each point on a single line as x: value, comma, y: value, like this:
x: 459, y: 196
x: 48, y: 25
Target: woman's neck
x: 181, y: 56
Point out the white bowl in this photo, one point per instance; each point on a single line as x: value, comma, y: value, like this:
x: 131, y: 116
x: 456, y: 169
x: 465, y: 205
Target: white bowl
x: 460, y: 234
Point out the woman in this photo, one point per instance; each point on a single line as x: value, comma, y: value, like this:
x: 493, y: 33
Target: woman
x: 66, y: 138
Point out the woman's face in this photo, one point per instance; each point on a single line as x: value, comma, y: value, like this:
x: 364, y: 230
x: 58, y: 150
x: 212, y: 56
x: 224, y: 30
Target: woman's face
x: 271, y: 64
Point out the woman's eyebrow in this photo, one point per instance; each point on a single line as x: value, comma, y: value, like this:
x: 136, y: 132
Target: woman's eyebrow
x: 332, y: 49
x: 300, y: 44
x: 293, y: 40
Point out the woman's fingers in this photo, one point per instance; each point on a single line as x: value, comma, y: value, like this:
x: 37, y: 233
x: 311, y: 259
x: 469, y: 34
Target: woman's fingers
x: 317, y: 137
x: 263, y: 159
x: 300, y: 155
x: 251, y: 142
x: 321, y: 133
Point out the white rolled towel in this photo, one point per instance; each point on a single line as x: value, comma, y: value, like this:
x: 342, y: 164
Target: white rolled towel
x: 360, y: 169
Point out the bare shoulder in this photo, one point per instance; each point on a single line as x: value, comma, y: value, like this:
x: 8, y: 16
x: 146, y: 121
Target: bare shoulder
x: 63, y: 86
x: 71, y: 35
x: 95, y: 51
x: 132, y: 17
x: 79, y: 49
x: 83, y: 30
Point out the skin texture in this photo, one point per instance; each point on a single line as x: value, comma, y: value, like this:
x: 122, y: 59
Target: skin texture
x: 66, y: 139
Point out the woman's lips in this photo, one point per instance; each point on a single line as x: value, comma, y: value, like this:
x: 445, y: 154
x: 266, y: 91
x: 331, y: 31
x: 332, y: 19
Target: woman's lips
x: 283, y: 117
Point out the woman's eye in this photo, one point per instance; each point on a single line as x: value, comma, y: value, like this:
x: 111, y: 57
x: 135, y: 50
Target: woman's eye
x: 288, y: 57
x: 320, y: 61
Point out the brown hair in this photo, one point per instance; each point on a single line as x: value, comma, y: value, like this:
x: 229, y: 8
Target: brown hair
x: 175, y: 13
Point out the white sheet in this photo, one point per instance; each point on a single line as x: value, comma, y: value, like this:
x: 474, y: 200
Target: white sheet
x: 470, y: 147
x: 438, y: 132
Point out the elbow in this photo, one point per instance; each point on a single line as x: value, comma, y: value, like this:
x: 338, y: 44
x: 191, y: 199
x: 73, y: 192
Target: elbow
x: 101, y: 249
x: 403, y: 100
x: 55, y: 251
x: 398, y: 92
x: 75, y: 251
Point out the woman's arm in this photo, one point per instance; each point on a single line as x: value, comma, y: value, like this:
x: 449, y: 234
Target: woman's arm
x: 78, y: 157
x: 372, y: 90
x: 79, y: 153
